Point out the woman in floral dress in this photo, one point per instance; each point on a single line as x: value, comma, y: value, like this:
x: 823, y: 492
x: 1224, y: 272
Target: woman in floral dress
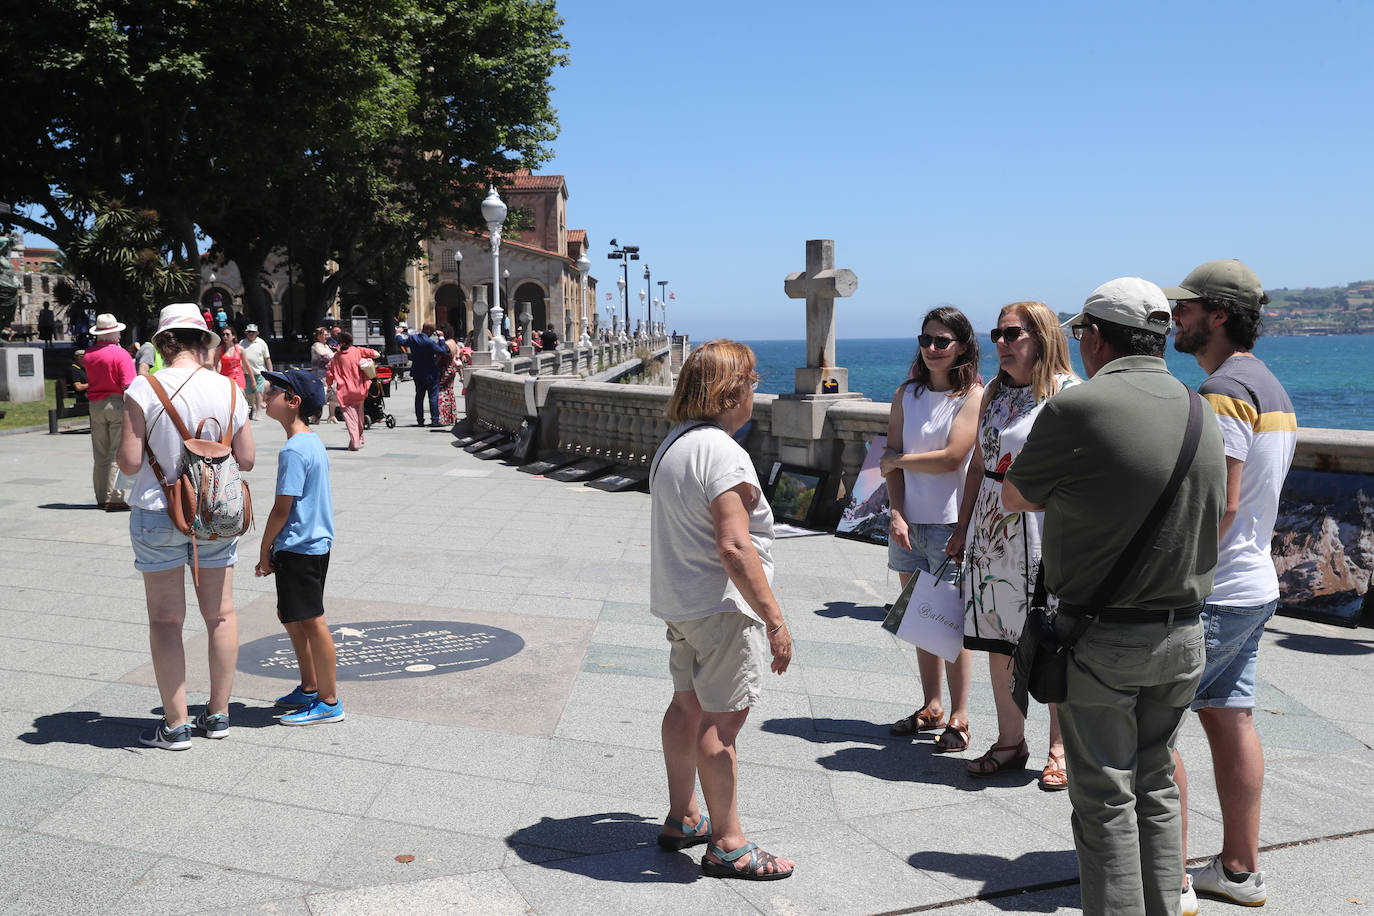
x: 1004, y: 547
x: 449, y: 369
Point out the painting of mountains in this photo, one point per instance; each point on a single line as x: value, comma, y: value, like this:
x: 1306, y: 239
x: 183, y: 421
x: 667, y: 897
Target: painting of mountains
x: 1324, y: 545
x: 868, y: 516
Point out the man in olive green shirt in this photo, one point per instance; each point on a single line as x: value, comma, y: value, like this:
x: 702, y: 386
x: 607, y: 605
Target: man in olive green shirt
x: 1096, y: 460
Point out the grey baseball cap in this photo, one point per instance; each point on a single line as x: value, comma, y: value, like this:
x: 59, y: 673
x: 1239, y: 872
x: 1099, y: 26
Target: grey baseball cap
x: 1225, y: 279
x: 1128, y: 301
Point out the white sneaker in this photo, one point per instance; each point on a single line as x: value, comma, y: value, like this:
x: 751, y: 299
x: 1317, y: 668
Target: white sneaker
x: 1189, y: 907
x: 1211, y: 880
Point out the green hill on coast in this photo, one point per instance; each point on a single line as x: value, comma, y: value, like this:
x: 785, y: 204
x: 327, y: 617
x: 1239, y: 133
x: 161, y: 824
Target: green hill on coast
x: 1345, y: 309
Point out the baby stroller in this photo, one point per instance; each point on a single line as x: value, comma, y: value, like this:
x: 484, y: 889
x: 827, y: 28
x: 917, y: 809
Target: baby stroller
x: 374, y: 406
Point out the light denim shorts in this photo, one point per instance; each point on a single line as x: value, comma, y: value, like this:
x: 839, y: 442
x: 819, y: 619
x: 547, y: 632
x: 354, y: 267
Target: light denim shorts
x: 1233, y: 635
x: 926, y: 554
x: 159, y: 546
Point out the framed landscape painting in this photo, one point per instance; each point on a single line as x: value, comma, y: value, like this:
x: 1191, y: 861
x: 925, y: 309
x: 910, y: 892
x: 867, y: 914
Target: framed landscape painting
x: 868, y: 514
x: 1323, y: 546
x: 794, y: 493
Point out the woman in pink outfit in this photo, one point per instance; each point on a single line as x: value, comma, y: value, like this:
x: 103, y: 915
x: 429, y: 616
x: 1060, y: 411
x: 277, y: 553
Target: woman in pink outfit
x: 346, y: 375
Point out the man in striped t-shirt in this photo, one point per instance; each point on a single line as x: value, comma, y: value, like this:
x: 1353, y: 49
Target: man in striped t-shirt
x: 1217, y: 319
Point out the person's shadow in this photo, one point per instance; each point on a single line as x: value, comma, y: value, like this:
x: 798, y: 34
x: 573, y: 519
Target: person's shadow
x: 70, y: 506
x: 1322, y: 645
x: 581, y: 846
x: 95, y: 729
x: 1018, y: 879
x: 837, y: 609
x: 888, y: 758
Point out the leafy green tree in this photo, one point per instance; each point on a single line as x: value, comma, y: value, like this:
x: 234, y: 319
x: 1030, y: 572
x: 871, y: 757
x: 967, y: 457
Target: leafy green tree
x: 341, y: 132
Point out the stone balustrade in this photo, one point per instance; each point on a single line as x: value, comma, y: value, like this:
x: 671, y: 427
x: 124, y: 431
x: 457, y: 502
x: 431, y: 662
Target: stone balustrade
x: 581, y: 362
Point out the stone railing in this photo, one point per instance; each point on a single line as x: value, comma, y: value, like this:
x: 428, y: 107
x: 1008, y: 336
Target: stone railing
x: 581, y: 362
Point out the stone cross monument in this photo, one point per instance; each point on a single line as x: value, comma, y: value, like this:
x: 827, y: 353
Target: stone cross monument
x: 820, y: 285
x: 526, y: 340
x: 481, y: 351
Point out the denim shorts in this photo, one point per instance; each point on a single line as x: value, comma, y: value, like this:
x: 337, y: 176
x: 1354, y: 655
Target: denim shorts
x: 159, y: 546
x: 926, y: 554
x: 1233, y: 635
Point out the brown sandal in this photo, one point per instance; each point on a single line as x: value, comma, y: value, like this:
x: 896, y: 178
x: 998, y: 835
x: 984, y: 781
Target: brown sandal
x: 1054, y: 777
x: 918, y: 721
x: 953, y: 739
x: 988, y: 765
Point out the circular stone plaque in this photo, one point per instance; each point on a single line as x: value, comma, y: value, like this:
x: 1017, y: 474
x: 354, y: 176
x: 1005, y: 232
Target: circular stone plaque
x: 390, y: 649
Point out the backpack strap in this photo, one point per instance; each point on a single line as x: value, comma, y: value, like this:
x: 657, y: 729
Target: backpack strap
x: 168, y: 409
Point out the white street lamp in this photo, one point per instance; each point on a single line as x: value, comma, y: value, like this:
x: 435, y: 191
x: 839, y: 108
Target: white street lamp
x: 620, y: 282
x: 494, y: 212
x: 642, y: 296
x: 584, y: 266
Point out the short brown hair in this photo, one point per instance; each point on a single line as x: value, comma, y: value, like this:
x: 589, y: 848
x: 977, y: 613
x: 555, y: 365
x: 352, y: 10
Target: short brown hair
x: 711, y: 380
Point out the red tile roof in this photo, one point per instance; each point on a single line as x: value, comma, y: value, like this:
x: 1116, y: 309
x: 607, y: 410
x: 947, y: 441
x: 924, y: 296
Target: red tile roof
x: 524, y: 181
x: 577, y: 235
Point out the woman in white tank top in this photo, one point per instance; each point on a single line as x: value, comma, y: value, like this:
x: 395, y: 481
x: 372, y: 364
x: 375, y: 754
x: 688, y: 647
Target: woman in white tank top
x: 930, y: 435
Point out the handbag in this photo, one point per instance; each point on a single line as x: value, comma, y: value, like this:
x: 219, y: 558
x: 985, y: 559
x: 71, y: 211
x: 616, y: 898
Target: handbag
x: 368, y: 367
x: 1041, y: 663
x: 930, y: 613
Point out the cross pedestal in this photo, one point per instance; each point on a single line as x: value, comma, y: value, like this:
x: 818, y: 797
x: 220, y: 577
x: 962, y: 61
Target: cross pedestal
x: 481, y: 350
x: 526, y: 339
x: 799, y: 418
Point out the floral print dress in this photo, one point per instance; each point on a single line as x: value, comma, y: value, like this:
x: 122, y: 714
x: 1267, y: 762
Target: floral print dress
x: 1004, y: 547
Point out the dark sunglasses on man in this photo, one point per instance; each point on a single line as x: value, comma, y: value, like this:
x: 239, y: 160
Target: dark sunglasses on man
x: 939, y: 343
x: 1010, y: 333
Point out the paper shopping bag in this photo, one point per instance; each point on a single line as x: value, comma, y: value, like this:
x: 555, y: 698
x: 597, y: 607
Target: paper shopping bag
x: 933, y: 615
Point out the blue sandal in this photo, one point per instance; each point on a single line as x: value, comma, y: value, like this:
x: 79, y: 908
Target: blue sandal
x: 691, y: 836
x: 752, y: 871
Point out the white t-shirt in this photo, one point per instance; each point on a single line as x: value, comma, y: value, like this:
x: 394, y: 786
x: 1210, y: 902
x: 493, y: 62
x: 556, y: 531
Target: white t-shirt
x: 205, y: 395
x: 931, y: 499
x: 255, y: 354
x: 687, y: 580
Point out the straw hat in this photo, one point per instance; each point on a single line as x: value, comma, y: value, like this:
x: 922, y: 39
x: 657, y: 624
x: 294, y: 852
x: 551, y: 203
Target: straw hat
x: 105, y: 324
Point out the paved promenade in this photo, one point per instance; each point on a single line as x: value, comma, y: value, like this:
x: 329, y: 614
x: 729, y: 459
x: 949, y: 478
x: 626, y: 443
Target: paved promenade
x: 534, y: 783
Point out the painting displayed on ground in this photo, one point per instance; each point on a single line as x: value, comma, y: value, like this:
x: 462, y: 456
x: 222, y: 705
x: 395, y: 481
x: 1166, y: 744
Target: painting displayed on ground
x: 1324, y: 545
x: 792, y: 492
x: 868, y: 516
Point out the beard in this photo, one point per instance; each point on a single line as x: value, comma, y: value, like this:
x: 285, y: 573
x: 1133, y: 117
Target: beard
x: 1189, y: 340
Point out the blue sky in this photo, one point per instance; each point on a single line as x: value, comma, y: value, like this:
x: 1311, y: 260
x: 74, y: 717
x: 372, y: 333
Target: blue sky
x: 973, y: 154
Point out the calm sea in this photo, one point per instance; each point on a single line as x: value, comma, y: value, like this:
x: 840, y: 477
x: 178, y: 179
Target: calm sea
x: 1328, y: 378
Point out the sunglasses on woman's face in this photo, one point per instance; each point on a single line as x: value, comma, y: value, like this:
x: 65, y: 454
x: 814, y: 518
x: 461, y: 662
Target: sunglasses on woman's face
x: 939, y: 343
x: 1010, y: 333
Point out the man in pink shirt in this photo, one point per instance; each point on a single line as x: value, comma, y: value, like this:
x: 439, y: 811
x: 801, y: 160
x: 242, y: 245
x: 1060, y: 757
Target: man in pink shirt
x: 109, y: 370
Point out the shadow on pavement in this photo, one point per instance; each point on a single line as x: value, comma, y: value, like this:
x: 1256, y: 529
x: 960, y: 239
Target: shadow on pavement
x: 892, y: 759
x: 85, y: 727
x: 70, y: 506
x: 1322, y: 645
x: 836, y: 609
x: 612, y: 846
x: 1044, y: 870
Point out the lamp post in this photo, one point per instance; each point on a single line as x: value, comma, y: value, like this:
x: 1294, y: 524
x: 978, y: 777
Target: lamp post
x: 657, y: 307
x: 644, y: 297
x: 494, y: 212
x: 625, y: 254
x: 505, y: 296
x: 462, y: 300
x: 663, y: 302
x: 584, y: 266
x: 620, y: 282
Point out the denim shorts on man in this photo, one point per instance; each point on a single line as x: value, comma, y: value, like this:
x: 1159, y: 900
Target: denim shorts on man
x: 926, y: 554
x: 1233, y: 635
x: 159, y: 546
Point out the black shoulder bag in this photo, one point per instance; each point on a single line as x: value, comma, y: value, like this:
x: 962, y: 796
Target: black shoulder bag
x: 1041, y: 666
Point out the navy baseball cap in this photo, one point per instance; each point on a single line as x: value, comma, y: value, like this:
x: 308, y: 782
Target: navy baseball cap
x: 303, y: 384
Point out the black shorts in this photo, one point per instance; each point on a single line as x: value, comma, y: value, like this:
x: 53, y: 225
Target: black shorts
x: 300, y: 585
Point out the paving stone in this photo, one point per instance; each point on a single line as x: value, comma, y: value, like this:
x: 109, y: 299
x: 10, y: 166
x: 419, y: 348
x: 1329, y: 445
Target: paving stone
x: 367, y: 855
x: 99, y: 813
x: 433, y: 798
x: 29, y: 792
x: 479, y: 894
x: 38, y: 876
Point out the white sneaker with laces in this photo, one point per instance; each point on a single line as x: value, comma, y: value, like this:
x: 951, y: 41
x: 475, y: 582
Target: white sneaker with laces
x: 1189, y: 907
x: 1210, y: 880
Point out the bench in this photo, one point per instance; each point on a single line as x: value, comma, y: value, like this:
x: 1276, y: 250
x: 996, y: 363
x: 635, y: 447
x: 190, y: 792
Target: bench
x: 62, y: 411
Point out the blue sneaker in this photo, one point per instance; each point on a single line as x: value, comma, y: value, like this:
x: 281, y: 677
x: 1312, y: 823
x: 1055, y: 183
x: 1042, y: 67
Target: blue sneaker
x: 172, y: 739
x: 297, y: 698
x: 214, y: 725
x: 316, y: 713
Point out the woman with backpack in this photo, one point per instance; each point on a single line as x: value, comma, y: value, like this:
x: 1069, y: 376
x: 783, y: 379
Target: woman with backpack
x: 350, y: 383
x: 209, y: 406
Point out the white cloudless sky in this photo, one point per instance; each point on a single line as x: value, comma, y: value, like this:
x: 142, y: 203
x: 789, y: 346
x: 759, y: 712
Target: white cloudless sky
x: 973, y: 154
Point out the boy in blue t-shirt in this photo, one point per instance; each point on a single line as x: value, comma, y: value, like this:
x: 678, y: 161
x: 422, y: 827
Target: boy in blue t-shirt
x: 296, y: 543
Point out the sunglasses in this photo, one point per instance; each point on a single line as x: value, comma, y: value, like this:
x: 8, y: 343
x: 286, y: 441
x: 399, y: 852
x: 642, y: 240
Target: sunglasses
x: 1011, y: 334
x: 939, y: 343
